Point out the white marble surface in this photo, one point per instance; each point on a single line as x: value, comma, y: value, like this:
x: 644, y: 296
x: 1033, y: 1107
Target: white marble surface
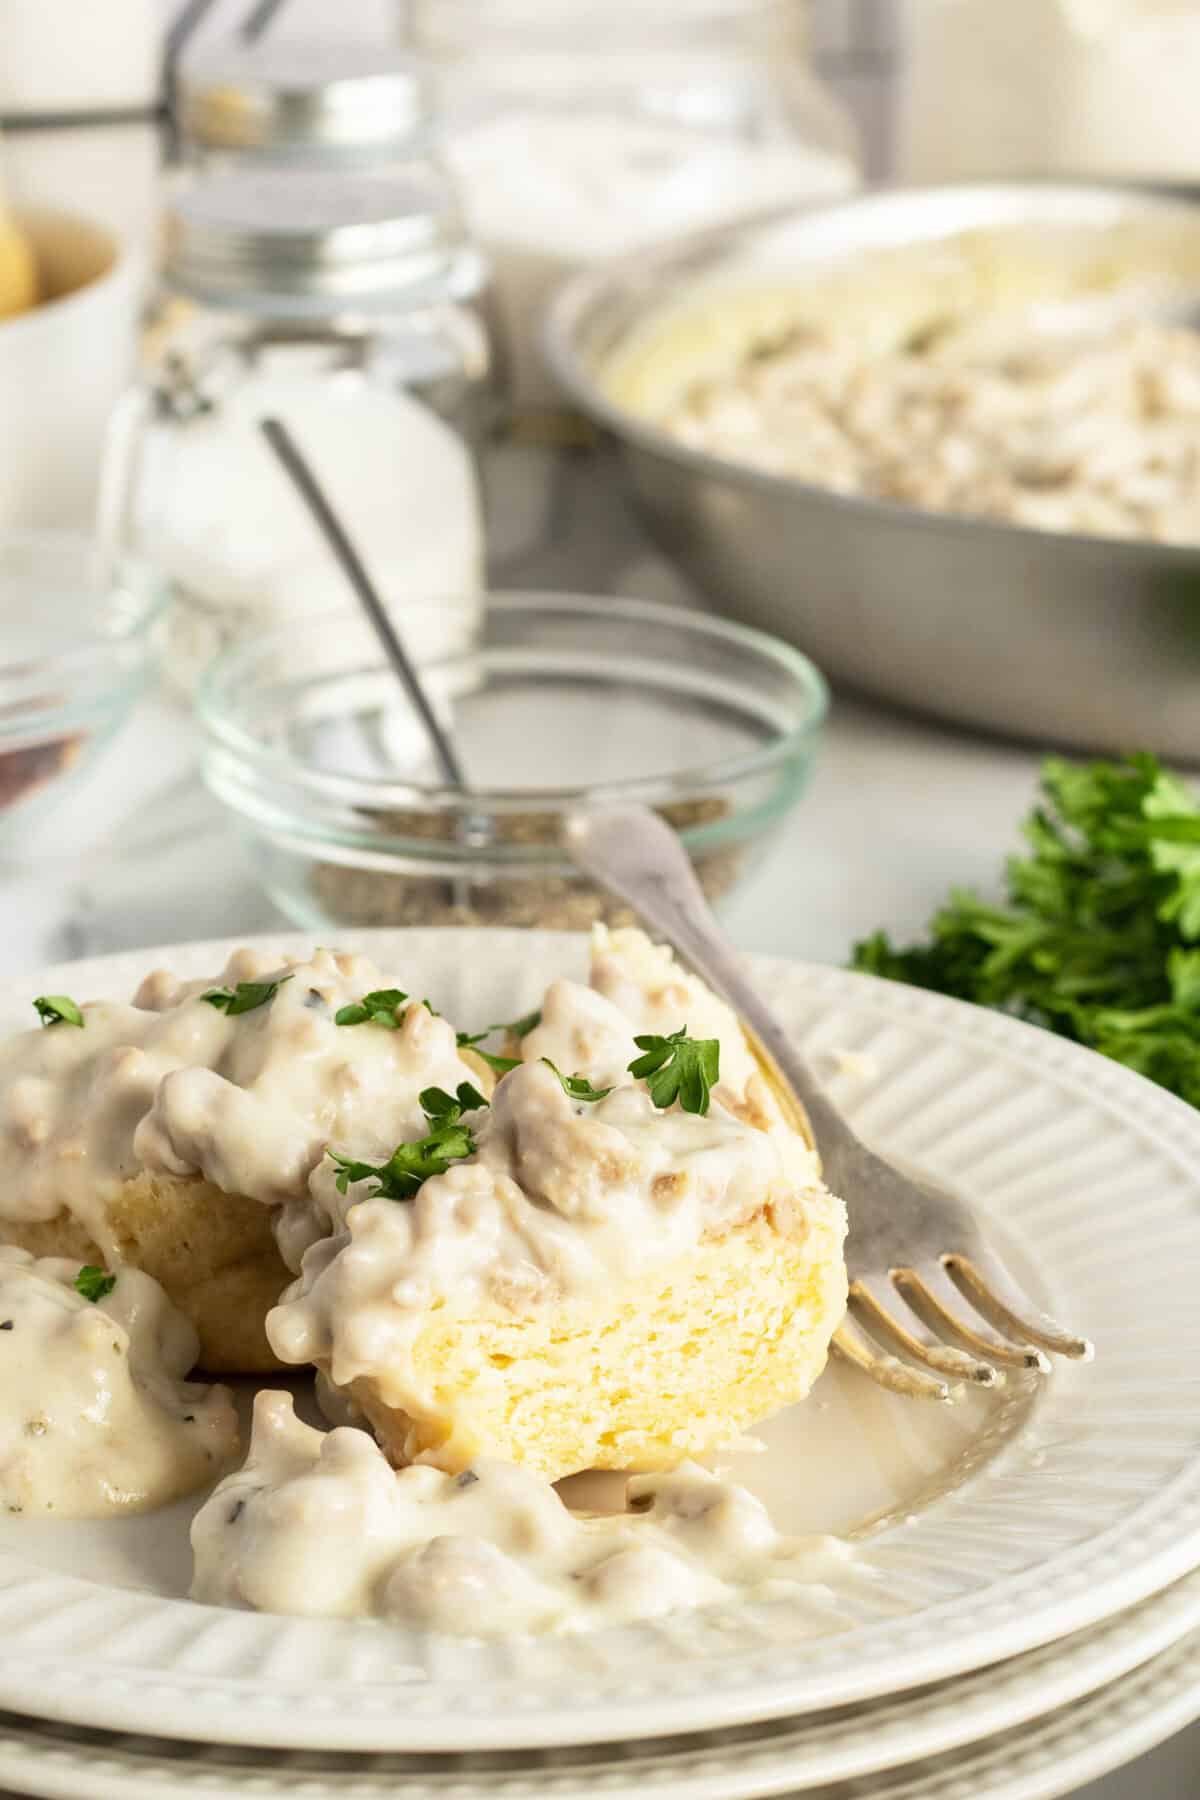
x: 899, y: 811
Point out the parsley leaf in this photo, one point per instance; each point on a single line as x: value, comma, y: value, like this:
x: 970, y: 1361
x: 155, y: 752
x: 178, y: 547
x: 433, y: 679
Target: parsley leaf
x: 410, y: 1165
x: 245, y: 997
x: 578, y: 1086
x: 518, y: 1028
x: 93, y: 1283
x: 1099, y: 936
x: 471, y: 1041
x: 57, y: 1009
x: 678, y: 1068
x: 438, y: 1105
x: 381, y: 1007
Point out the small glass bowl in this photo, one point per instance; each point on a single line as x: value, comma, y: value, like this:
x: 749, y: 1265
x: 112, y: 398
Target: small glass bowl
x: 76, y: 647
x: 554, y: 702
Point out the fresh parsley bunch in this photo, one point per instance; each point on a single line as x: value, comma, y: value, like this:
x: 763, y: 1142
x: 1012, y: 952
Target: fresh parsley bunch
x: 1100, y: 937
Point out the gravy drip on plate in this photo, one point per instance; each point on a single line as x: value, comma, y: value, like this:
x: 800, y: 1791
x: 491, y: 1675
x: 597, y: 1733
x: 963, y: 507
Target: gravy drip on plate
x: 318, y: 1524
x: 95, y: 1416
x: 175, y: 1085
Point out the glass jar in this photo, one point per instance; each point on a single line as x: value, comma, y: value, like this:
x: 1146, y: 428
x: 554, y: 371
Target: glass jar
x: 348, y: 308
x: 1050, y: 87
x: 578, y: 131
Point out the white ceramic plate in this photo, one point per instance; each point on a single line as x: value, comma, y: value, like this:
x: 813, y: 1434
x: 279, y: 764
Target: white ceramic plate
x: 792, y: 1756
x: 996, y: 1528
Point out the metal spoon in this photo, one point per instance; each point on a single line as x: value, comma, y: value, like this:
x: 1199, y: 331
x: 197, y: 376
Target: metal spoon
x: 297, y: 467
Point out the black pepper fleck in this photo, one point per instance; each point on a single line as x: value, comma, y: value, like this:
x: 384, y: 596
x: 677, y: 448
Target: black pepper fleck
x: 467, y: 1479
x: 641, y: 1503
x: 316, y: 1001
x: 239, y: 1507
x: 189, y: 1418
x: 6, y: 1324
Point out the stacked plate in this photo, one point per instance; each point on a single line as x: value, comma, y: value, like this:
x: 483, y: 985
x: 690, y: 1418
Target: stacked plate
x: 1026, y: 1613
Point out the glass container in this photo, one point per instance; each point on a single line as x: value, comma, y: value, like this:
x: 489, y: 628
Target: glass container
x: 578, y: 131
x: 556, y: 702
x: 75, y: 654
x: 348, y: 308
x: 1050, y: 87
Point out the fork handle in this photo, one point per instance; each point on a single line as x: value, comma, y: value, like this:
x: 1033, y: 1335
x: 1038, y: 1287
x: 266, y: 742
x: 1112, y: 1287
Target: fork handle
x: 634, y: 854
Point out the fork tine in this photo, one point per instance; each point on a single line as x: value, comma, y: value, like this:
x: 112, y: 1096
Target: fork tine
x: 892, y: 1315
x: 931, y: 1293
x: 889, y: 1371
x: 986, y: 1282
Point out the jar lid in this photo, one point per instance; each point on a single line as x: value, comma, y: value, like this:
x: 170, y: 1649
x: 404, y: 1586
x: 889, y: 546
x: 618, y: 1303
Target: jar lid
x: 339, y: 99
x: 276, y: 241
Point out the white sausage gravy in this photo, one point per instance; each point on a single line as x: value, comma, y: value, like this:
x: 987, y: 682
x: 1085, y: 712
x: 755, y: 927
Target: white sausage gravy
x: 174, y: 1084
x: 562, y: 1197
x: 319, y: 1524
x: 95, y: 1416
x: 558, y: 1196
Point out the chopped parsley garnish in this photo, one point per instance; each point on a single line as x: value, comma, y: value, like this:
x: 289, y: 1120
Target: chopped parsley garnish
x: 437, y: 1104
x: 57, y: 1009
x: 93, y: 1283
x: 500, y: 1064
x: 410, y: 1165
x: 578, y: 1087
x: 246, y: 997
x: 678, y: 1068
x: 379, y: 1008
x: 520, y: 1028
x: 513, y: 1028
x: 1099, y: 936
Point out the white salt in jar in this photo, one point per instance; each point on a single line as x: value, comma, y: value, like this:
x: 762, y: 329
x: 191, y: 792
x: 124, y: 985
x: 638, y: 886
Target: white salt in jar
x: 579, y: 131
x: 347, y: 309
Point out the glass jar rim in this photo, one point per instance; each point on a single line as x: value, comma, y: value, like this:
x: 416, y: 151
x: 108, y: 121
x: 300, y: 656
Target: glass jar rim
x: 274, y: 241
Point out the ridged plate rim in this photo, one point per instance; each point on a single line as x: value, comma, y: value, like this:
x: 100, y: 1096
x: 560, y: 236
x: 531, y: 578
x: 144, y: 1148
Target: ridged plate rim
x: 1130, y: 1513
x: 790, y: 1757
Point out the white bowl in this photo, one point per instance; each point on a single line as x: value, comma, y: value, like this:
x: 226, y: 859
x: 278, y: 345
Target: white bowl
x: 62, y: 367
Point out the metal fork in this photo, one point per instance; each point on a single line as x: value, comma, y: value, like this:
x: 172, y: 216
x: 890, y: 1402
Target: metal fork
x: 924, y: 1283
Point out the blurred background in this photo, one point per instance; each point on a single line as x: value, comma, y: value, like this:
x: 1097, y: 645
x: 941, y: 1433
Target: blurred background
x: 846, y: 345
